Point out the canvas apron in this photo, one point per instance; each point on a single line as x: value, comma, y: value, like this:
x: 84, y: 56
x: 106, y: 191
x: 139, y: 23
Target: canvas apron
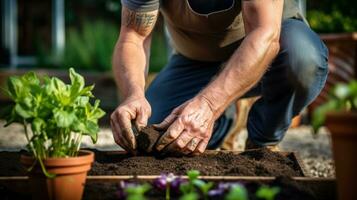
x: 210, y: 37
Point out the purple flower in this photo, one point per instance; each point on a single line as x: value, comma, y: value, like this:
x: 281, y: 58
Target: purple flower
x: 216, y: 192
x: 175, y: 184
x: 162, y: 181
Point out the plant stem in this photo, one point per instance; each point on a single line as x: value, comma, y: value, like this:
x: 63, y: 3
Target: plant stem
x: 167, y: 191
x: 28, y: 139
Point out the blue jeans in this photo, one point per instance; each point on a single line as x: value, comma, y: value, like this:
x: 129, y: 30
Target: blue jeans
x: 294, y: 79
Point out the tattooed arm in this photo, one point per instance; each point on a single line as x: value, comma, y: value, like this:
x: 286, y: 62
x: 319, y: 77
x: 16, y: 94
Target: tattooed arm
x: 130, y: 63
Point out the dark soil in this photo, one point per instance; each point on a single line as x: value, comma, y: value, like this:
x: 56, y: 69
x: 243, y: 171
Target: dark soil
x: 250, y: 163
x: 147, y: 139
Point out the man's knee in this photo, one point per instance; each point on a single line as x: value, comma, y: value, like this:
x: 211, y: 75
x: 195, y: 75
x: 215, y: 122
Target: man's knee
x: 305, y: 55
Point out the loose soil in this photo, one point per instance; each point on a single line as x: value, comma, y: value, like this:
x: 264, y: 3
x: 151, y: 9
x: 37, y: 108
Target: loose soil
x: 250, y: 163
x: 147, y: 139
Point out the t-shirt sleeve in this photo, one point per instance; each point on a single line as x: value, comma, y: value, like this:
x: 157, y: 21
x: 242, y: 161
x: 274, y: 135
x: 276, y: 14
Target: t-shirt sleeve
x: 141, y: 5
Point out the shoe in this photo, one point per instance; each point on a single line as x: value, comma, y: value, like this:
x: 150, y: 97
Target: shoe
x: 249, y: 145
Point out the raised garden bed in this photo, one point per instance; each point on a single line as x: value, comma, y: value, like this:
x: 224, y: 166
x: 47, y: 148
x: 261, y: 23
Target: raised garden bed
x: 252, y: 168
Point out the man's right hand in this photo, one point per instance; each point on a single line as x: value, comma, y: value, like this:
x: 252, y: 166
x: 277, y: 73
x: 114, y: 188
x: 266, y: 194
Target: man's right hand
x: 132, y: 108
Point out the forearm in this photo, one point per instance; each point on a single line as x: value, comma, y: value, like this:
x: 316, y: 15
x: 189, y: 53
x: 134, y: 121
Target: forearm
x: 243, y: 70
x: 132, y: 51
x: 130, y: 63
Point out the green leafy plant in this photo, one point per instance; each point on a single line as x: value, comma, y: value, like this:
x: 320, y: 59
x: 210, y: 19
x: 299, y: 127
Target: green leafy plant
x: 189, y: 188
x: 237, y: 192
x: 267, y: 193
x: 137, y: 192
x: 54, y: 115
x: 342, y: 98
x: 189, y: 196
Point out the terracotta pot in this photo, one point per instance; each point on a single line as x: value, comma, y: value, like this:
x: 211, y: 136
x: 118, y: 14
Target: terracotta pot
x: 343, y: 128
x: 70, y: 177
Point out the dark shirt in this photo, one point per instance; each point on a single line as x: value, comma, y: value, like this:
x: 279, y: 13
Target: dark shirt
x: 200, y: 6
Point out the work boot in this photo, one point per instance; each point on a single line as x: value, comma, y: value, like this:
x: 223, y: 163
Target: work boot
x: 249, y: 145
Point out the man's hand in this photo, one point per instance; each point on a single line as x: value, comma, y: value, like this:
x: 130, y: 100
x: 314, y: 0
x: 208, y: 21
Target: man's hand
x: 132, y: 108
x: 189, y: 128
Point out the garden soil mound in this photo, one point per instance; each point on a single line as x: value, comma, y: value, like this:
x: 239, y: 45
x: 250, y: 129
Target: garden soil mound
x: 250, y: 163
x: 261, y: 162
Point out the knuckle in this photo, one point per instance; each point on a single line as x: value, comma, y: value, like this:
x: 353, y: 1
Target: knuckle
x: 180, y: 144
x: 171, y: 135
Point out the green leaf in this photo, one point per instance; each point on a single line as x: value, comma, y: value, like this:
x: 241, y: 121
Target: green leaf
x: 30, y: 78
x: 14, y: 86
x: 319, y: 114
x: 77, y: 83
x: 189, y: 196
x: 92, y: 130
x: 237, y: 192
x: 23, y: 112
x: 82, y: 101
x: 267, y: 193
x: 37, y: 125
x: 87, y: 91
x: 341, y: 91
x: 63, y: 118
x: 193, y: 174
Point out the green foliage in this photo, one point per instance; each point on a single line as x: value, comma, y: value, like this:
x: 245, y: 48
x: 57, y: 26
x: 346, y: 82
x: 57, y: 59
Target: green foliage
x: 343, y: 97
x: 91, y: 46
x: 237, y: 192
x: 333, y: 22
x: 58, y: 113
x: 137, y: 192
x: 267, y: 193
x: 158, y: 56
x: 189, y: 187
x: 189, y: 196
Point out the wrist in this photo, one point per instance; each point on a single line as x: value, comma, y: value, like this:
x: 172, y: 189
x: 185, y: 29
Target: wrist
x: 215, y: 101
x: 134, y: 93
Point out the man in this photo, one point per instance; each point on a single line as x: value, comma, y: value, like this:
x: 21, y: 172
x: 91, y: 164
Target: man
x: 224, y: 50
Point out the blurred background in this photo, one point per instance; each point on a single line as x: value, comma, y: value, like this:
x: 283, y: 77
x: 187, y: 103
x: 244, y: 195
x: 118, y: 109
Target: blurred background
x: 50, y: 36
x: 53, y: 35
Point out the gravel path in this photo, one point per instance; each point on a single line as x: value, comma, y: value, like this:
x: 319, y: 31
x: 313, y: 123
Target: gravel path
x: 314, y: 151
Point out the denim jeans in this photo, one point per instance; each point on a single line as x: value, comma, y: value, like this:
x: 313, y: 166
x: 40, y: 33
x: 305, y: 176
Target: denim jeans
x: 292, y: 81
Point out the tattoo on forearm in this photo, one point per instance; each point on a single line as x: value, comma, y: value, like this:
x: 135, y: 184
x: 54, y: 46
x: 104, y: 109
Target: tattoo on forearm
x: 139, y: 20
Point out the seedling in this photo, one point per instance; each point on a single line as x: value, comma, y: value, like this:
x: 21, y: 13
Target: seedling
x: 267, y: 193
x: 137, y: 192
x: 237, y: 192
x: 58, y: 114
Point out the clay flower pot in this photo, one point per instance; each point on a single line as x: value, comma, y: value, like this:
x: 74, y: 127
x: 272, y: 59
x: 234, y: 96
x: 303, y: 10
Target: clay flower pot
x: 343, y: 128
x: 70, y: 177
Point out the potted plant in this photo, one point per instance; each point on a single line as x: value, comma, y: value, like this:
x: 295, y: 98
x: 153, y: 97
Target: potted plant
x: 339, y: 114
x: 54, y: 116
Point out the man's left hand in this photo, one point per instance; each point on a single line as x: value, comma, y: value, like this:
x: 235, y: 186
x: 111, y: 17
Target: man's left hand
x: 188, y: 128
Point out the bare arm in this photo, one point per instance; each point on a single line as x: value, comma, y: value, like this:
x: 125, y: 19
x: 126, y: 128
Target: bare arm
x: 132, y: 51
x: 262, y: 22
x: 130, y: 63
x: 190, y: 125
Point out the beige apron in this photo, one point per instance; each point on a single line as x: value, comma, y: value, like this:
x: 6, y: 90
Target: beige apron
x: 209, y: 37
